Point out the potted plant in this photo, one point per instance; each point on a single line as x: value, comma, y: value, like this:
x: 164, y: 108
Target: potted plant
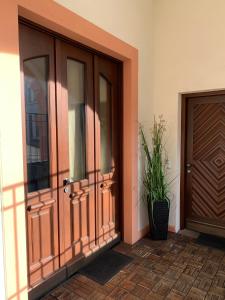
x: 156, y: 188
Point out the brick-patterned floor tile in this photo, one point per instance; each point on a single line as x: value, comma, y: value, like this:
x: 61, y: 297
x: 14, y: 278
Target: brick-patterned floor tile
x: 191, y: 271
x: 216, y: 256
x: 183, y: 284
x: 96, y: 295
x: 216, y: 293
x: 128, y: 285
x: 118, y: 278
x: 131, y: 297
x: 62, y: 293
x: 154, y: 296
x: 221, y: 269
x: 119, y: 293
x: 140, y: 291
x: 203, y: 283
x: 141, y: 250
x: 198, y: 261
x: 191, y: 249
x: 173, y: 273
x: 163, y: 287
x: 181, y: 261
x: 161, y: 268
x: 209, y: 269
x: 195, y: 294
x: 175, y: 269
x: 174, y: 296
x: 148, y: 282
x: 219, y: 280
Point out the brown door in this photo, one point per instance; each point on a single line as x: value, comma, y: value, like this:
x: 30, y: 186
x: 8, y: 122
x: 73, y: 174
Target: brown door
x: 76, y: 152
x: 107, y: 122
x: 205, y: 164
x: 40, y: 152
x: 71, y: 152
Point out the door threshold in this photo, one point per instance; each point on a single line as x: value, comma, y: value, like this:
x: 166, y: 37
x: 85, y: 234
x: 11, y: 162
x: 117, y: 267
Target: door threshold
x: 66, y: 272
x: 204, y: 227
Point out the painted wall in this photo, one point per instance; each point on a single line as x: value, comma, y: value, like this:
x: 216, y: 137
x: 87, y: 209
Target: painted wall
x: 188, y: 55
x: 11, y: 156
x: 181, y: 47
x: 2, y: 263
x: 130, y: 21
x: 12, y: 179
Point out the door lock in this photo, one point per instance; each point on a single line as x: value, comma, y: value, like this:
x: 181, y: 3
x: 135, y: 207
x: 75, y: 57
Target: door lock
x: 72, y: 195
x: 66, y: 189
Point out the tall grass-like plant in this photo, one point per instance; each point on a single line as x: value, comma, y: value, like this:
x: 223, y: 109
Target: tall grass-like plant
x: 156, y: 187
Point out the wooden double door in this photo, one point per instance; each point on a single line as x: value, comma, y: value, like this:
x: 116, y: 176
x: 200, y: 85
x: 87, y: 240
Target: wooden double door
x: 204, y: 193
x: 71, y: 119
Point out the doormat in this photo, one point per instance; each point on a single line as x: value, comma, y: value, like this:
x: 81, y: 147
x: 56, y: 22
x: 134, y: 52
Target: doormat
x: 211, y: 241
x: 105, y: 266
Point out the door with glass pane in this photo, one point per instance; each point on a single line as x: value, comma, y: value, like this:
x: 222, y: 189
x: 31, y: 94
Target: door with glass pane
x: 40, y: 152
x: 76, y: 161
x: 107, y: 145
x: 71, y: 152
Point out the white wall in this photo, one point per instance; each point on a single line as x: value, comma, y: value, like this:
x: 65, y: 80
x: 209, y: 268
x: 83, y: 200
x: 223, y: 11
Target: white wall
x: 181, y: 48
x: 2, y: 266
x: 188, y: 55
x: 131, y: 21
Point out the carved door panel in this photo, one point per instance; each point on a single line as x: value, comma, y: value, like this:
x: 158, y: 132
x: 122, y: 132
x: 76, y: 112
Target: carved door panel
x: 205, y: 164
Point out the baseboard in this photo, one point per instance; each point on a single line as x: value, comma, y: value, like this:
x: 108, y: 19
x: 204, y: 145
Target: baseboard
x: 172, y: 228
x: 144, y: 231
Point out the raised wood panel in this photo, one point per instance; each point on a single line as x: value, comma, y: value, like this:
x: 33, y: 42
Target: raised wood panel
x: 42, y: 255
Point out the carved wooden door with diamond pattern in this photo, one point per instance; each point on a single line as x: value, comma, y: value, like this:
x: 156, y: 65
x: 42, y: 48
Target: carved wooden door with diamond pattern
x: 205, y: 164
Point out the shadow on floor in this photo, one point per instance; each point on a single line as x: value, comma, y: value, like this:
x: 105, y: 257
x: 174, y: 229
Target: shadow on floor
x: 178, y: 268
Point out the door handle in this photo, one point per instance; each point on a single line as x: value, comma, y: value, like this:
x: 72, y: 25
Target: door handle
x: 188, y: 171
x: 67, y: 181
x: 188, y: 165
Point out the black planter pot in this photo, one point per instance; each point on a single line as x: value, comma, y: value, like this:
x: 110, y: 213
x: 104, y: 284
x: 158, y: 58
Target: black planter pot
x: 158, y: 220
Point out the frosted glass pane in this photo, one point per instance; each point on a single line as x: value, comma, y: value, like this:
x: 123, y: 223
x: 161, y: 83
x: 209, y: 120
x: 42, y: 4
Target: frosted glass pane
x: 105, y: 125
x: 37, y: 138
x: 76, y: 119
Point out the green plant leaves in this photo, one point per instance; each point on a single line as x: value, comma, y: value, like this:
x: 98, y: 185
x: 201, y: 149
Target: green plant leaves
x: 155, y: 183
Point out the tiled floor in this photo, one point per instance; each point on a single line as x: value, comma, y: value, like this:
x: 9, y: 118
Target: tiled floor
x: 174, y: 269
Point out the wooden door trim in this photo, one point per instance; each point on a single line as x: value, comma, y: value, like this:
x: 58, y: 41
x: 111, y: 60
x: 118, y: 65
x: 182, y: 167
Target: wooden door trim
x: 107, y: 45
x: 183, y: 145
x: 65, y: 39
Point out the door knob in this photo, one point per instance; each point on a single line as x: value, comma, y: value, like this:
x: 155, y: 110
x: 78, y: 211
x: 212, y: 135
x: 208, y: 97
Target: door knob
x: 188, y: 165
x: 188, y: 171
